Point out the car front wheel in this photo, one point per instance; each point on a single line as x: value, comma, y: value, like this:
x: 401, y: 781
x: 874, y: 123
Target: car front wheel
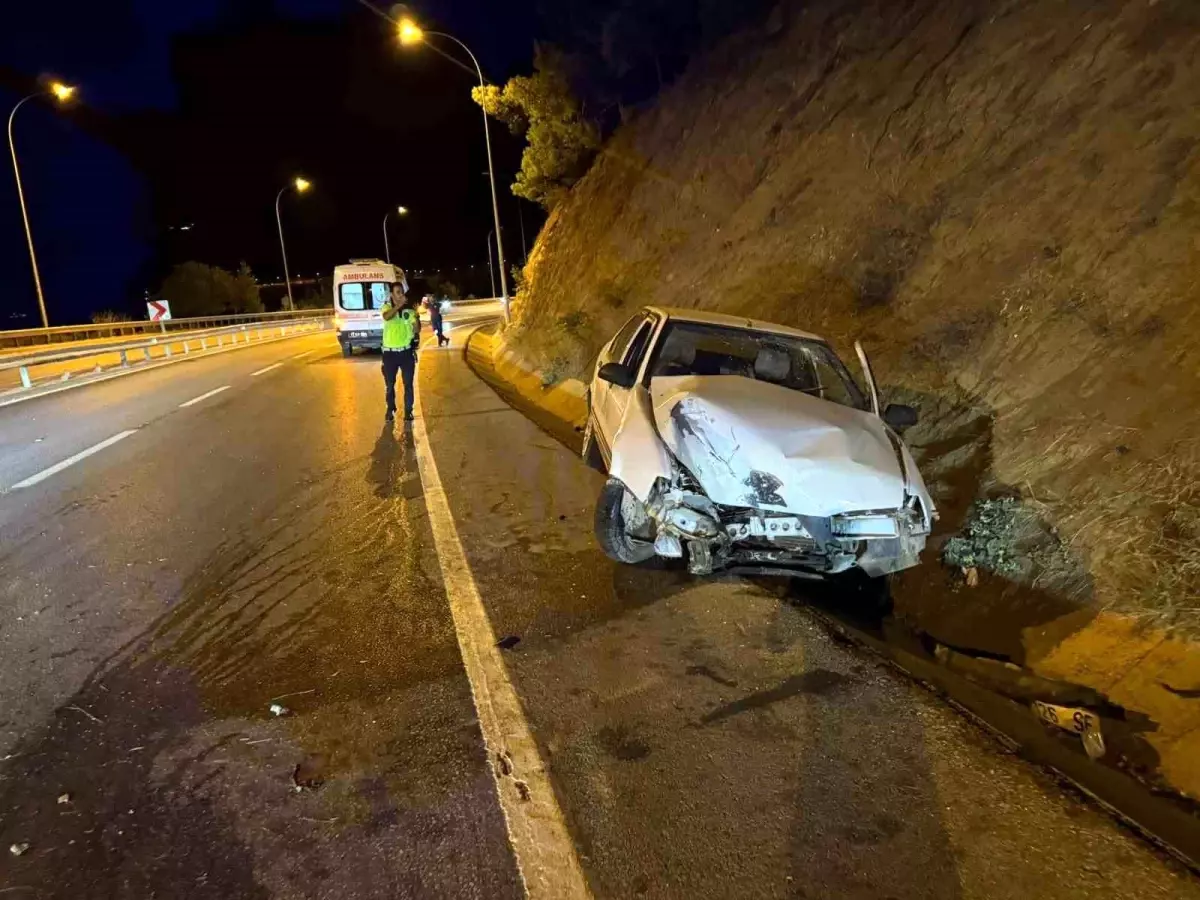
x: 617, y: 511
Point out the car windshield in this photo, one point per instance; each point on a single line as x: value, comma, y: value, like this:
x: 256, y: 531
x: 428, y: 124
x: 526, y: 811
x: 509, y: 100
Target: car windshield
x: 809, y: 366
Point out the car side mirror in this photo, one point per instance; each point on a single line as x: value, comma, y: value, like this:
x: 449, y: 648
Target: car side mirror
x: 617, y: 373
x: 900, y: 416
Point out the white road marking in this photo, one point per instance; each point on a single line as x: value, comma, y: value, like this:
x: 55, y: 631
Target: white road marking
x: 300, y: 355
x: 266, y: 370
x: 195, y: 400
x: 537, y: 831
x: 71, y: 460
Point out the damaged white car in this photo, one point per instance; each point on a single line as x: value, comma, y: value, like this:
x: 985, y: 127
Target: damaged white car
x: 749, y: 448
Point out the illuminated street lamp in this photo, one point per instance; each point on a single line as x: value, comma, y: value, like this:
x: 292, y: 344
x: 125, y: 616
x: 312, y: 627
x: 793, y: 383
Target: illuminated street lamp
x: 387, y: 251
x: 62, y: 93
x: 301, y: 185
x: 410, y: 34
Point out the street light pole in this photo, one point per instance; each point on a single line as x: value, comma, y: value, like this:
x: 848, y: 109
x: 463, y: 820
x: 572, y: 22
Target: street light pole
x: 301, y: 186
x: 283, y: 248
x: 63, y: 93
x: 491, y: 271
x: 411, y: 33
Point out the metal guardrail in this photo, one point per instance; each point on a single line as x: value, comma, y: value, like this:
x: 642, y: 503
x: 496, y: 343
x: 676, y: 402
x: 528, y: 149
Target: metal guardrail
x: 203, y: 338
x: 32, y: 337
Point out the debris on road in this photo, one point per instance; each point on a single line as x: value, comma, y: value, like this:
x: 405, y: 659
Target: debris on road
x: 278, y: 709
x: 295, y: 694
x: 309, y: 774
x: 507, y: 643
x: 64, y: 798
x: 19, y: 849
x: 80, y: 709
x: 1077, y: 720
x: 523, y: 790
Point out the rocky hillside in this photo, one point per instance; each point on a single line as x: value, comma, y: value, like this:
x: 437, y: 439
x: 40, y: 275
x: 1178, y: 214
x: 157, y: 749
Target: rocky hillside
x: 1001, y: 198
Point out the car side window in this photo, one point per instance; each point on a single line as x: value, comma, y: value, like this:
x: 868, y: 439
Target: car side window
x: 638, y: 346
x: 621, y: 341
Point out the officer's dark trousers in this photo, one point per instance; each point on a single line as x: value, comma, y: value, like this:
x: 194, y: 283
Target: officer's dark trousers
x: 404, y: 362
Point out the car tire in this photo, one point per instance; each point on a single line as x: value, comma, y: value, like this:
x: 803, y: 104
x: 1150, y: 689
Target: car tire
x: 610, y: 527
x: 347, y: 350
x: 866, y: 598
x: 591, y: 450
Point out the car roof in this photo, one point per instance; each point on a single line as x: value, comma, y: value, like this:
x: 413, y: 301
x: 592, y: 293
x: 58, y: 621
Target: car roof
x: 707, y: 318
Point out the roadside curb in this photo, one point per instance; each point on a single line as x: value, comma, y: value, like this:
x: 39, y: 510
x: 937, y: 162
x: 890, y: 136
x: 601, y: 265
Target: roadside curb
x: 980, y: 688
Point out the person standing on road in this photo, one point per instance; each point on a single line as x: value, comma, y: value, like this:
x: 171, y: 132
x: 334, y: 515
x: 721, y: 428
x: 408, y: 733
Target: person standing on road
x: 401, y: 336
x: 434, y: 304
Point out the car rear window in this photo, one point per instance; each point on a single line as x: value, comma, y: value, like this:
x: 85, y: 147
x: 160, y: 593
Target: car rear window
x: 356, y: 295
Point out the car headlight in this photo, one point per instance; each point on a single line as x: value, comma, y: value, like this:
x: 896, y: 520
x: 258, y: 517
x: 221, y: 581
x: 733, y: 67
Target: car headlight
x: 864, y: 526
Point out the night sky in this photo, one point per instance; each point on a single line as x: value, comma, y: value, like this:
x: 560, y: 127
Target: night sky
x: 195, y: 112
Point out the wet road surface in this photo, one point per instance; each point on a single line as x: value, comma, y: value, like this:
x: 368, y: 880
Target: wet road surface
x: 271, y: 544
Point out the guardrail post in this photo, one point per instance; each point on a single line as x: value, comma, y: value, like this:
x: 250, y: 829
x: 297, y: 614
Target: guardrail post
x: 203, y: 343
x: 146, y: 353
x: 186, y: 349
x: 167, y: 349
x: 25, y: 382
x: 124, y: 360
x: 220, y: 341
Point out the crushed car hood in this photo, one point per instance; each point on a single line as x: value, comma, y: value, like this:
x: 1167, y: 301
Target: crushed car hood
x: 752, y: 443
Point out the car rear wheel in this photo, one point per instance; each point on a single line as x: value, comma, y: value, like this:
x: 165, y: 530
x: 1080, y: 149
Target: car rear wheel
x: 615, y: 509
x: 347, y: 350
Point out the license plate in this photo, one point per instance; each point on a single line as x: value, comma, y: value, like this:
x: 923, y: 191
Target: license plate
x: 355, y: 334
x: 768, y: 527
x: 1066, y: 717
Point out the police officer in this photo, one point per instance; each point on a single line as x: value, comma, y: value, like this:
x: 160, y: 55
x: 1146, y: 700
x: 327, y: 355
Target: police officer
x: 401, y: 336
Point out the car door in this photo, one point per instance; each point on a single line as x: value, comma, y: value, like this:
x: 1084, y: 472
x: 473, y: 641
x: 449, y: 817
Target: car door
x: 613, y: 350
x: 616, y: 398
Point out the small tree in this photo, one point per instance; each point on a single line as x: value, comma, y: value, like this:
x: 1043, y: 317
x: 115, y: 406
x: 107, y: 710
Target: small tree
x: 443, y: 287
x: 110, y: 317
x: 246, y: 298
x: 195, y: 289
x: 561, y: 142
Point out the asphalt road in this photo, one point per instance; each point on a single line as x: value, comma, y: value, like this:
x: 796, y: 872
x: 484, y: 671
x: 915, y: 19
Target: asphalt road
x: 273, y: 543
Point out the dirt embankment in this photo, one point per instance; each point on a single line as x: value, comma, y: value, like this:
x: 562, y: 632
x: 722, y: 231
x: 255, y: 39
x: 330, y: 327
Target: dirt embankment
x: 1002, y: 200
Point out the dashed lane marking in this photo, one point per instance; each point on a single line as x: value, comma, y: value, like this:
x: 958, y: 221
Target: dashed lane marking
x: 537, y: 831
x: 202, y: 397
x: 71, y: 460
x: 265, y: 370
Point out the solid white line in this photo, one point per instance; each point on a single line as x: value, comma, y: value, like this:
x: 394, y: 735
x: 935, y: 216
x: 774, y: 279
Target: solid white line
x: 267, y: 369
x: 537, y: 831
x: 203, y: 397
x: 71, y: 460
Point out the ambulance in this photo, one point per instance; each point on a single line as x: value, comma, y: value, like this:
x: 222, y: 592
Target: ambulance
x: 359, y: 292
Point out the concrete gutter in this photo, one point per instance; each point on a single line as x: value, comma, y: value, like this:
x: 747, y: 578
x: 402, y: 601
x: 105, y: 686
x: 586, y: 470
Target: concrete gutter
x: 996, y: 694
